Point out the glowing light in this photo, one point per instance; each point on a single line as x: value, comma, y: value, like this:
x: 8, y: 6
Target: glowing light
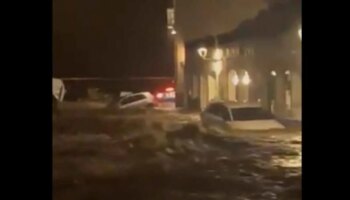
x: 246, y: 79
x: 217, y: 67
x: 287, y: 72
x: 218, y: 54
x: 159, y: 95
x: 169, y: 89
x: 173, y: 32
x: 299, y: 33
x: 235, y: 80
x: 202, y: 51
x: 273, y: 73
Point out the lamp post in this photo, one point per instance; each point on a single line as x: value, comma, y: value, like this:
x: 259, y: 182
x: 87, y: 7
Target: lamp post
x: 217, y: 57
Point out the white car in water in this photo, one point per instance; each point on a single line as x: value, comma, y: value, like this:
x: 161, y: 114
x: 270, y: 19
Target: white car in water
x: 233, y: 116
x: 137, y: 100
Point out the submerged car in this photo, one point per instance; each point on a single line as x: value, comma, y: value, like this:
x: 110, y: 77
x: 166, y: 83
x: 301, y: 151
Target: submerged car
x: 137, y: 100
x: 233, y: 116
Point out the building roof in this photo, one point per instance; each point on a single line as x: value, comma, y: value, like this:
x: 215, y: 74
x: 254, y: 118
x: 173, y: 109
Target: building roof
x: 269, y: 23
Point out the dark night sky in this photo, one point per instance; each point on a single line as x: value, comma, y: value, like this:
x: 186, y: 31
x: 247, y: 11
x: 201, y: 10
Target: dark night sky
x: 110, y: 38
x: 198, y: 18
x: 117, y: 38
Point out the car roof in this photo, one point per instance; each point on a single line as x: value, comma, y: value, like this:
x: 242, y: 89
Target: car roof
x: 234, y: 105
x: 145, y: 93
x: 148, y: 94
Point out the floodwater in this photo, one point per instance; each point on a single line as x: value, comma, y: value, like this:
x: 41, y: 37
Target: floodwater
x: 157, y: 155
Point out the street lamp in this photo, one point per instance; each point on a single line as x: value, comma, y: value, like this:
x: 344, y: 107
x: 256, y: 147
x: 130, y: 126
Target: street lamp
x: 216, y: 61
x: 202, y: 52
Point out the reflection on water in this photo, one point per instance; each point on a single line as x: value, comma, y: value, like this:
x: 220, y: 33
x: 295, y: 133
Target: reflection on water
x: 290, y: 161
x: 286, y: 159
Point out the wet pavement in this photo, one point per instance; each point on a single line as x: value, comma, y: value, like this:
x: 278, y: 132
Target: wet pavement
x: 157, y: 155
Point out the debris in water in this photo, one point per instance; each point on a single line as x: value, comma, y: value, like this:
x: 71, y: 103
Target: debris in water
x: 196, y: 159
x: 222, y: 158
x: 269, y: 195
x: 169, y: 150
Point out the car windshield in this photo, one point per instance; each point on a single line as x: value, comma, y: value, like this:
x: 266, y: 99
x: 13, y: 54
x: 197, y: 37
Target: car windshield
x: 246, y: 114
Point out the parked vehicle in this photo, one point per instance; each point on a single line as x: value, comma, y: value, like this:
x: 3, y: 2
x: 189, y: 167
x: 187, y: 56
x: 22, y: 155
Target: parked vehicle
x: 233, y: 116
x: 137, y: 100
x: 165, y: 98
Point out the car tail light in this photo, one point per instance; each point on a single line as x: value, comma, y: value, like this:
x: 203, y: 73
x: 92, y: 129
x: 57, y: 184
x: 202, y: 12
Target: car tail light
x: 169, y: 89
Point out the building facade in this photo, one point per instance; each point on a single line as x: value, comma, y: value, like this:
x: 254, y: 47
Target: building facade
x: 266, y: 70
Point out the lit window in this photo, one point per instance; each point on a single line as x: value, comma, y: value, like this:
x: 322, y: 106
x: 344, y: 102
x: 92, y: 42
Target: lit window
x: 246, y: 79
x: 235, y: 79
x: 234, y: 51
x: 218, y: 54
x: 170, y: 17
x: 273, y: 73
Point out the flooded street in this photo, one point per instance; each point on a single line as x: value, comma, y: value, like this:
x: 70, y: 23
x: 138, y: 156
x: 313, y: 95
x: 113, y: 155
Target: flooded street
x: 157, y: 155
x: 176, y: 100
